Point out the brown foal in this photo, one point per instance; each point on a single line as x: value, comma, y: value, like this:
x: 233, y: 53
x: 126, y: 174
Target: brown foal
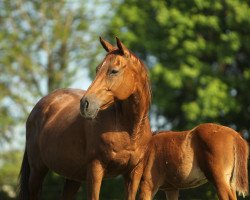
x: 181, y: 160
x: 107, y: 141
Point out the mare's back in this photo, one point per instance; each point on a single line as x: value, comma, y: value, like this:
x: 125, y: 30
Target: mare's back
x: 61, y: 105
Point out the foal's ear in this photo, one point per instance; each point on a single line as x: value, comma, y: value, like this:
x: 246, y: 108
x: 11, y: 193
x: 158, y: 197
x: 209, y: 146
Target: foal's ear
x: 106, y: 45
x: 122, y: 47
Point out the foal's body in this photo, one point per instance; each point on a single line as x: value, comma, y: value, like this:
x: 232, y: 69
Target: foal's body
x: 181, y: 160
x: 109, y: 138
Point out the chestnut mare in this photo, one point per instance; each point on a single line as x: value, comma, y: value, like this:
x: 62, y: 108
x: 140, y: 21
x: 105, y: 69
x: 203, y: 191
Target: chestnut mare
x: 181, y: 160
x: 107, y: 141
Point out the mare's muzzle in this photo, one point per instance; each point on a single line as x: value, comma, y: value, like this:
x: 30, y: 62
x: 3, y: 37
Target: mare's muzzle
x: 89, y: 106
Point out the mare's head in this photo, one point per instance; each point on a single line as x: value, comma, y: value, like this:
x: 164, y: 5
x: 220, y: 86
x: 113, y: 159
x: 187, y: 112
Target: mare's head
x: 120, y: 75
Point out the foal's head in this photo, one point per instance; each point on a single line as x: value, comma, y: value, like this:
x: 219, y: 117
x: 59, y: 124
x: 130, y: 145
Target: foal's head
x: 119, y: 75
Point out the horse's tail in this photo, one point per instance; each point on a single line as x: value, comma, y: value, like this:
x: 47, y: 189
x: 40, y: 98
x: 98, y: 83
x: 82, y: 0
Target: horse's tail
x: 24, y: 178
x: 240, y: 169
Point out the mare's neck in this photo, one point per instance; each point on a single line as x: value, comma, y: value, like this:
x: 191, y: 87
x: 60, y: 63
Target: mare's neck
x: 135, y: 112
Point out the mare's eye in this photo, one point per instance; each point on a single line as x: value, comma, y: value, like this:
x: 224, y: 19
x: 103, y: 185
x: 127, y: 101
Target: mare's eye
x: 113, y: 71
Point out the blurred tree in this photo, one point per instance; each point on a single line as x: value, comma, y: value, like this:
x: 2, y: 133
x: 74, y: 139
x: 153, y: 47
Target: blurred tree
x: 198, y: 55
x: 44, y: 45
x: 8, y: 173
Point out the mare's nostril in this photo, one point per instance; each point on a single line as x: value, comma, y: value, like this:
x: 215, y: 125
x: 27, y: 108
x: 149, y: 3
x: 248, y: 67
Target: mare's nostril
x: 89, y: 107
x: 84, y: 104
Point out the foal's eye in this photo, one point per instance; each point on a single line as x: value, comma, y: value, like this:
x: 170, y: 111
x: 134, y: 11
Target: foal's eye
x: 113, y: 71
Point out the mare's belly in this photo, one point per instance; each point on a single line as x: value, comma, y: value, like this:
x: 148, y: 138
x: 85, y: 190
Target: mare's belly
x: 64, y: 154
x: 66, y: 165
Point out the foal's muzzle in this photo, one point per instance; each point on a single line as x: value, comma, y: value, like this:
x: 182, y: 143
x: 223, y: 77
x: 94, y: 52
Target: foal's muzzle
x: 89, y: 106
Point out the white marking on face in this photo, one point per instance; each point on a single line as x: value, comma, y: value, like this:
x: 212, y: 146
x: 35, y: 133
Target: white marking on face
x: 103, y: 63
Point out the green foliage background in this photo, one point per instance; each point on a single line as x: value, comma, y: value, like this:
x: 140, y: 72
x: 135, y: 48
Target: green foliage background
x: 198, y: 55
x: 197, y: 52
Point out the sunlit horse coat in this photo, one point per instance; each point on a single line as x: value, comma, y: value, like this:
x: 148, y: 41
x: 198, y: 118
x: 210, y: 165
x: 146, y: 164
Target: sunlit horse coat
x: 110, y: 140
x: 209, y: 152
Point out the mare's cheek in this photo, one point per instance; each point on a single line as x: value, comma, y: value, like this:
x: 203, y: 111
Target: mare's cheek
x: 125, y: 88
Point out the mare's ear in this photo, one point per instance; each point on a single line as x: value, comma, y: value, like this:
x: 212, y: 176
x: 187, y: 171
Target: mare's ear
x: 122, y: 47
x: 106, y: 45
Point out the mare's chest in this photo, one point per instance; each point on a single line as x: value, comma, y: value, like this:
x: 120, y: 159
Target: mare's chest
x: 116, y: 145
x: 116, y: 150
x: 111, y: 142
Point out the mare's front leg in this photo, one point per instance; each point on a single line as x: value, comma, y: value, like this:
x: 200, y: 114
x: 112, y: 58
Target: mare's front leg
x: 132, y: 181
x: 172, y: 195
x: 70, y: 189
x: 94, y: 179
